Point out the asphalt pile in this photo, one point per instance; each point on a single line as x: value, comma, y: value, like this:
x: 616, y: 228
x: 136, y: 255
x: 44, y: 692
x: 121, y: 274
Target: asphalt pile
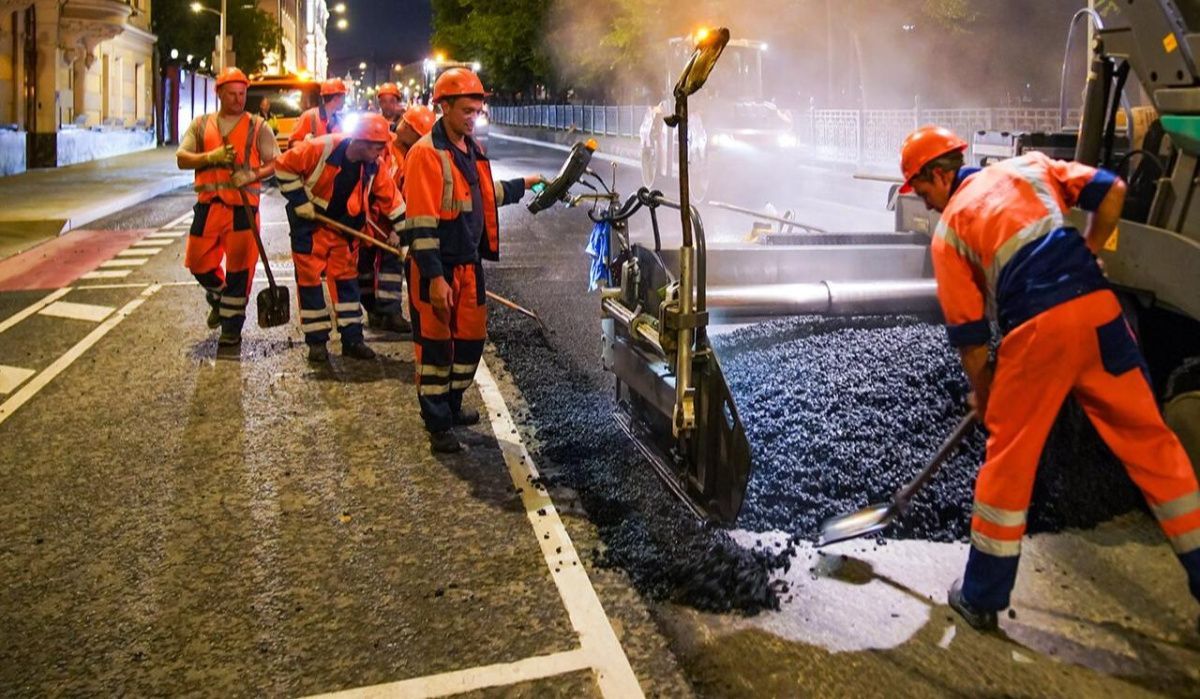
x: 655, y: 539
x: 841, y: 412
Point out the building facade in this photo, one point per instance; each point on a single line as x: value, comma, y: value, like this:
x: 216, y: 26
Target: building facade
x: 77, y: 81
x: 302, y: 37
x: 316, y: 57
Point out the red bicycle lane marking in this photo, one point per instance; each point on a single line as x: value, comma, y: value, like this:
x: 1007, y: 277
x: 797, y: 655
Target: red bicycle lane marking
x: 60, y: 261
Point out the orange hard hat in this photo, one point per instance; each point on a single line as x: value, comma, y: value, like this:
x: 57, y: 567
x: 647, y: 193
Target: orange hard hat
x: 389, y: 89
x: 333, y: 86
x: 372, y: 127
x: 922, y: 147
x: 457, y: 82
x: 231, y: 75
x: 420, y: 118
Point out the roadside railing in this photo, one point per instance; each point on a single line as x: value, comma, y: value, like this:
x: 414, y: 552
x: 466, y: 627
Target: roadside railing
x: 862, y: 136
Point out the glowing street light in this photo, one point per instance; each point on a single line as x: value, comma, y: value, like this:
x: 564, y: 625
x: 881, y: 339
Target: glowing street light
x: 475, y: 66
x: 440, y: 57
x: 340, y: 8
x: 362, y: 65
x: 343, y: 23
x: 174, y: 54
x: 198, y: 7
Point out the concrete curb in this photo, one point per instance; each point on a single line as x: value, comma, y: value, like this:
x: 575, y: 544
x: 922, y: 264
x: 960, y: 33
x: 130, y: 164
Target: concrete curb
x: 112, y: 206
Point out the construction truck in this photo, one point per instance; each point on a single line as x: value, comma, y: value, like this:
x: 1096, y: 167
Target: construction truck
x: 731, y: 115
x: 288, y: 95
x: 660, y: 301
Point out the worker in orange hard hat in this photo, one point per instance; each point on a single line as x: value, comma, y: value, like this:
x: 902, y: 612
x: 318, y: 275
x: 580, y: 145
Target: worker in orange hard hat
x: 228, y: 150
x: 336, y: 176
x: 322, y: 119
x: 381, y: 273
x: 1004, y: 251
x: 453, y: 223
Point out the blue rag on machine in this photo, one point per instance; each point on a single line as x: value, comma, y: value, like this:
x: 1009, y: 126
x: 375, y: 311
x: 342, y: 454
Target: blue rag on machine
x: 597, y: 249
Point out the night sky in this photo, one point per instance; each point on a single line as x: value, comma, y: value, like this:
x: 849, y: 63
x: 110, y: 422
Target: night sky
x: 383, y: 31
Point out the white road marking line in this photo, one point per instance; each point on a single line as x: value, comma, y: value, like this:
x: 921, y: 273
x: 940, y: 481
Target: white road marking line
x: 472, y: 679
x: 127, y: 262
x: 620, y: 160
x: 108, y: 274
x: 166, y: 234
x: 86, y: 287
x: 77, y: 311
x: 596, y: 636
x: 138, y: 252
x: 30, y: 310
x: 29, y: 390
x: 156, y: 244
x: 13, y: 376
x: 179, y: 221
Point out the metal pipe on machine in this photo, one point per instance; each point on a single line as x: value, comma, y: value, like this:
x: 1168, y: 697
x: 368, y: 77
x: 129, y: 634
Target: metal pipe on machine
x: 823, y: 298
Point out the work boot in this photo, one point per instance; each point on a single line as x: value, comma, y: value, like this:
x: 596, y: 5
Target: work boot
x: 229, y: 338
x: 317, y: 354
x: 214, y: 316
x: 465, y: 417
x: 444, y: 443
x: 979, y: 620
x: 358, y: 350
x: 389, y: 322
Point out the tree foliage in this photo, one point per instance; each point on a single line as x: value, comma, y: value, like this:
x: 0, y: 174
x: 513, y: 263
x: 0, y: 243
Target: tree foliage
x: 254, y: 33
x: 504, y: 36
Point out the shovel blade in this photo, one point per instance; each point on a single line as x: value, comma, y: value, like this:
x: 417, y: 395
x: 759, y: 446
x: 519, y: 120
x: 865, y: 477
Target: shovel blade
x: 869, y: 520
x: 274, y: 307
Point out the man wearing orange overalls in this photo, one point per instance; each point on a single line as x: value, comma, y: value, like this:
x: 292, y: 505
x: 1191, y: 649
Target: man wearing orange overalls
x: 215, y: 146
x: 453, y: 223
x: 1004, y: 252
x: 323, y: 119
x: 338, y: 177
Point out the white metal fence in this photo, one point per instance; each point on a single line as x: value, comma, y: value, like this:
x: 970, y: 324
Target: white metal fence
x: 847, y: 135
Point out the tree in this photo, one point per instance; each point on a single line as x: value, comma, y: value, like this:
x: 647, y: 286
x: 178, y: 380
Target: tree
x: 254, y: 33
x: 504, y: 36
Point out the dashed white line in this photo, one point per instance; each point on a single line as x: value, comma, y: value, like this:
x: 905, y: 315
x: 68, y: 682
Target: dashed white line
x: 13, y: 376
x: 158, y: 244
x: 472, y: 679
x: 139, y: 252
x: 108, y: 274
x: 126, y: 262
x: 160, y: 235
x: 77, y: 311
x: 34, y: 308
x: 29, y: 390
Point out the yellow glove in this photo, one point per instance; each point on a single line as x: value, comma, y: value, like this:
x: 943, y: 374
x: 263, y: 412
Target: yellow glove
x: 223, y: 155
x: 306, y: 211
x: 241, y: 178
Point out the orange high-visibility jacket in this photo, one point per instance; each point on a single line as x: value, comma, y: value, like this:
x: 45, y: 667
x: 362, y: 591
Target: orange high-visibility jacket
x: 1003, y: 249
x: 215, y: 181
x: 307, y: 173
x: 312, y: 123
x: 438, y: 194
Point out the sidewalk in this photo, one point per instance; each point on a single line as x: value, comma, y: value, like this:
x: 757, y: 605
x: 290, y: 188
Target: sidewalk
x: 41, y: 204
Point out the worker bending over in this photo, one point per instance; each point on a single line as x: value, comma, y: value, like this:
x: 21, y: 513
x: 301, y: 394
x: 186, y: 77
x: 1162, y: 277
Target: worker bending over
x: 217, y: 146
x: 453, y: 223
x: 336, y: 176
x: 1004, y: 251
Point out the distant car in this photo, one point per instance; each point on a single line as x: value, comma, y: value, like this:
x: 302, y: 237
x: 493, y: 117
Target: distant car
x: 288, y: 96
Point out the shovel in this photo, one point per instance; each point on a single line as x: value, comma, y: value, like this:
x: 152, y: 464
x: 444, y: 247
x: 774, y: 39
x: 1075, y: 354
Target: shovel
x: 274, y: 302
x: 398, y: 253
x: 874, y: 518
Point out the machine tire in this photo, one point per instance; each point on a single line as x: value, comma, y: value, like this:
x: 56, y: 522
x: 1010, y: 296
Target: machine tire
x: 1182, y: 408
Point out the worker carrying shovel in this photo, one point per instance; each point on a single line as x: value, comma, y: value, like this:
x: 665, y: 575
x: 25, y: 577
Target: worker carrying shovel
x: 1004, y: 252
x: 452, y: 223
x: 223, y: 148
x: 337, y: 177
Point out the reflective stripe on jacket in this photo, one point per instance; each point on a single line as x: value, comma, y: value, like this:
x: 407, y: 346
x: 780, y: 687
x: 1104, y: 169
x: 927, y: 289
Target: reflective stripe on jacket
x: 311, y: 124
x: 1003, y: 249
x: 437, y: 194
x: 215, y: 181
x: 307, y: 173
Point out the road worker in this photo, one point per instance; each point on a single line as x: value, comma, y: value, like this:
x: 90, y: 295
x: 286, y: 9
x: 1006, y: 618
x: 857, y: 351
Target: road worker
x: 453, y: 223
x: 336, y: 176
x: 322, y: 119
x: 215, y: 146
x: 380, y: 273
x: 1004, y: 253
x: 390, y: 106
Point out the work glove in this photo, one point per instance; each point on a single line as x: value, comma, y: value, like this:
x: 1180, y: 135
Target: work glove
x: 222, y: 155
x: 306, y: 211
x: 393, y: 239
x: 241, y: 178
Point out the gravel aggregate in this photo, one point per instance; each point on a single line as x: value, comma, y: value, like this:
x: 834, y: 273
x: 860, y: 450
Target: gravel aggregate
x: 841, y: 412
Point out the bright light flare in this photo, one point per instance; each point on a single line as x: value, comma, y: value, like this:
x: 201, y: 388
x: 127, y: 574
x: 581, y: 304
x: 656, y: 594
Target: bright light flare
x: 196, y: 7
x: 343, y: 23
x: 340, y: 8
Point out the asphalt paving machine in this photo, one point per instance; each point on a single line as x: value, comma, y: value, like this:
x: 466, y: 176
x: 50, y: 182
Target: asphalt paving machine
x: 658, y: 303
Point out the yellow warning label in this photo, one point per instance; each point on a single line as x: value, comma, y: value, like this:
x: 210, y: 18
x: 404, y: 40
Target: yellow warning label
x: 1170, y: 43
x: 1110, y: 245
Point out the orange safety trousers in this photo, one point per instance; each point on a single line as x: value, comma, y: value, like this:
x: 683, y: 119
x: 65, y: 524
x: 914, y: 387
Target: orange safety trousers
x: 1084, y: 348
x: 447, y: 353
x: 222, y: 233
x: 326, y: 253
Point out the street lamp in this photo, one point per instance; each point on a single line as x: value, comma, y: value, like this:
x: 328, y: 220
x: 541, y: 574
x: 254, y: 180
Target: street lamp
x: 340, y: 8
x: 362, y: 65
x: 341, y: 23
x: 198, y: 8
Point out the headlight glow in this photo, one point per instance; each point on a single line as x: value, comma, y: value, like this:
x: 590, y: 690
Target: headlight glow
x: 786, y: 140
